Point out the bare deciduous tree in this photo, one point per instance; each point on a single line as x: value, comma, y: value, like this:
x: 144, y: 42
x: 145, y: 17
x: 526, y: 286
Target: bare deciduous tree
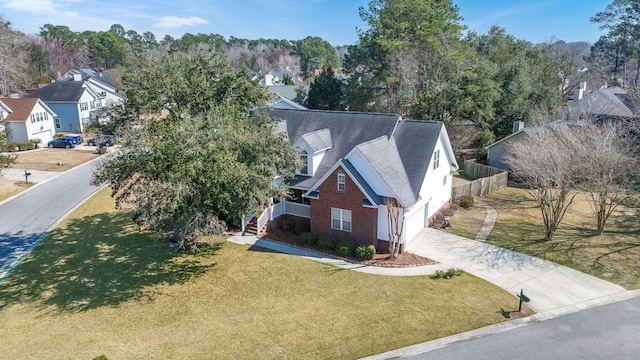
x: 607, y: 166
x: 395, y: 217
x: 13, y: 60
x: 545, y: 168
x: 600, y: 159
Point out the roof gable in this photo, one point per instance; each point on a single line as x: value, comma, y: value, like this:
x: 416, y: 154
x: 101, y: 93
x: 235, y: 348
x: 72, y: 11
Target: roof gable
x: 20, y: 108
x: 382, y: 156
x: 416, y: 141
x: 347, y: 129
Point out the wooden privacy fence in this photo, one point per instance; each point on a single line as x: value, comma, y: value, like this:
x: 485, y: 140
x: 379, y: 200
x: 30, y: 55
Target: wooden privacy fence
x: 487, y: 180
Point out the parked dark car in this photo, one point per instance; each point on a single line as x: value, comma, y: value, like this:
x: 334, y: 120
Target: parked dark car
x: 78, y: 138
x: 61, y: 142
x: 70, y: 138
x: 106, y: 140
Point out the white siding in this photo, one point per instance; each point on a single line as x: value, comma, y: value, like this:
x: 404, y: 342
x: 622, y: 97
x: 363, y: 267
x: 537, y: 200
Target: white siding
x: 383, y: 223
x: 315, y: 161
x: 414, y: 223
x: 433, y: 191
x: 42, y: 130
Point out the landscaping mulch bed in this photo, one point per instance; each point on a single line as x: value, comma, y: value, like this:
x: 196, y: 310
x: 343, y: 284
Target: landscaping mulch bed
x: 381, y: 259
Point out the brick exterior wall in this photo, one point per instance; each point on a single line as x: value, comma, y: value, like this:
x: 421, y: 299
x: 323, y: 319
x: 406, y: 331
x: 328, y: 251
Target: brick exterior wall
x: 364, y: 220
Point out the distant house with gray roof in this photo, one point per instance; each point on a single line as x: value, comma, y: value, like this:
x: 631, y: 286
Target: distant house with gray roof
x: 353, y: 161
x: 611, y: 101
x: 75, y: 103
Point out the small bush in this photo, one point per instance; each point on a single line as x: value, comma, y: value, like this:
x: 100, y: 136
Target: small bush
x: 287, y: 225
x: 440, y: 274
x: 345, y: 248
x: 326, y: 243
x: 365, y: 252
x: 466, y: 201
x: 23, y: 146
x: 57, y: 135
x: 299, y: 228
x: 308, y: 238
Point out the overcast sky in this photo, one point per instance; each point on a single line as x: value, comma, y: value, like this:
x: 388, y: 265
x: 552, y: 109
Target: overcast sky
x: 333, y: 20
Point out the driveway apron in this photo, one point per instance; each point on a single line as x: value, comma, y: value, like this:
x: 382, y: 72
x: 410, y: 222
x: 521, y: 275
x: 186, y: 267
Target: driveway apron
x: 549, y: 285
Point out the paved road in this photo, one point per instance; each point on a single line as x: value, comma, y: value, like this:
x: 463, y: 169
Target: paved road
x: 606, y: 332
x: 26, y: 218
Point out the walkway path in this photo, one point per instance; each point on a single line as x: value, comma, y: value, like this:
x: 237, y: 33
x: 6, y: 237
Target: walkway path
x: 489, y: 221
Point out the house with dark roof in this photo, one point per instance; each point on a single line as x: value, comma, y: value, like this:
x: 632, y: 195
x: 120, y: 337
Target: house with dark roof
x: 611, y: 101
x: 75, y: 103
x: 27, y: 119
x: 352, y: 162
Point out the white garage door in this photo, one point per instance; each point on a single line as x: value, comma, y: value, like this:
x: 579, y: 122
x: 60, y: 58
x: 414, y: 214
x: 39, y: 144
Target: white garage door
x: 45, y: 136
x: 415, y: 223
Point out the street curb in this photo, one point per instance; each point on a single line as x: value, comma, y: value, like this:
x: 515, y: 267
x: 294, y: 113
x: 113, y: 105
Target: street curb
x: 417, y: 349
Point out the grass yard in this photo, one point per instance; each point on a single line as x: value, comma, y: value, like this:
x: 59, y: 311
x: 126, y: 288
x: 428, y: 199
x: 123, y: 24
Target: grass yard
x: 459, y: 178
x: 467, y: 222
x: 98, y: 286
x: 614, y: 256
x: 47, y: 159
x: 8, y: 188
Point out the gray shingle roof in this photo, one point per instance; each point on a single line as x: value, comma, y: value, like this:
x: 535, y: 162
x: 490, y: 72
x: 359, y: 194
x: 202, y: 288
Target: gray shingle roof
x: 400, y: 151
x: 319, y: 140
x: 61, y: 90
x: 383, y: 156
x: 416, y: 141
x: 348, y: 129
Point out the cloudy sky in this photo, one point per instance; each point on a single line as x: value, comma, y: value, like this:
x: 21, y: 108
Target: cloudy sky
x: 333, y: 20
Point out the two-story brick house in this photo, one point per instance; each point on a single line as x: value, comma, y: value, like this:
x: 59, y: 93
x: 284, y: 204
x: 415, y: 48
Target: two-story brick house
x: 353, y: 161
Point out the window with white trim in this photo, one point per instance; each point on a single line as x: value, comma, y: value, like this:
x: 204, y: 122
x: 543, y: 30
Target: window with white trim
x: 341, y: 181
x: 341, y: 219
x: 57, y: 121
x: 84, y: 106
x: 304, y: 157
x: 39, y: 116
x: 436, y: 159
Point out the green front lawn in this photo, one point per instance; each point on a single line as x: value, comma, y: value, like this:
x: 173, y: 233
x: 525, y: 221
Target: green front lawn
x: 99, y: 286
x: 613, y: 256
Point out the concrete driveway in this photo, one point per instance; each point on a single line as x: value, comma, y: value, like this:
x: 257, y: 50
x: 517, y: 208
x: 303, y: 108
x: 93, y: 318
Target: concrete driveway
x: 549, y: 285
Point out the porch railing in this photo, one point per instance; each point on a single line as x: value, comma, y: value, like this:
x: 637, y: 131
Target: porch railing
x: 297, y: 209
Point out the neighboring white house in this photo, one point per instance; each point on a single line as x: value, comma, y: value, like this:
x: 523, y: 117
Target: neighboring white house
x: 108, y: 93
x: 75, y: 103
x: 28, y: 119
x: 281, y: 102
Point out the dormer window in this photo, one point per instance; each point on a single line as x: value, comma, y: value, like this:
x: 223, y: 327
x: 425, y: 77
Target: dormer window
x: 341, y: 181
x: 304, y: 157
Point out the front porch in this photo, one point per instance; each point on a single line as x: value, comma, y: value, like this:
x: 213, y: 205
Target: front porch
x: 257, y: 224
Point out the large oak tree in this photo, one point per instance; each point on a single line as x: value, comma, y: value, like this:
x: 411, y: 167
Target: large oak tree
x: 201, y: 155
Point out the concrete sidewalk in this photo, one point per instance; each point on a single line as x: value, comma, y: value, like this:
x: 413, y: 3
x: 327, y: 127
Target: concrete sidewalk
x: 549, y: 285
x: 37, y: 176
x: 334, y: 261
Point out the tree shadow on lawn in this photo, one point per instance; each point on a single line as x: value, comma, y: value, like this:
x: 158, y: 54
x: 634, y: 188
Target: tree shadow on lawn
x: 99, y: 260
